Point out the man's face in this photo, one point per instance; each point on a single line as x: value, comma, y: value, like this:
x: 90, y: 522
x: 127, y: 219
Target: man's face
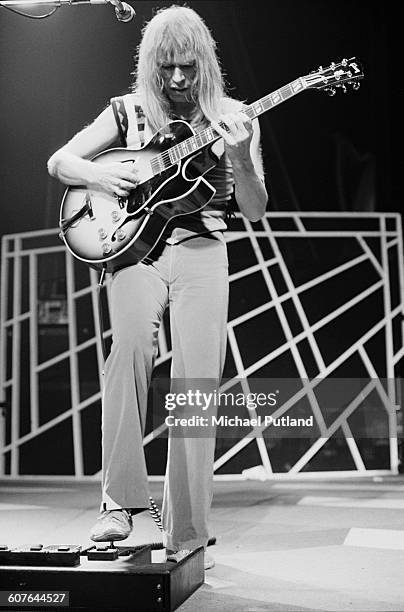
x: 178, y: 78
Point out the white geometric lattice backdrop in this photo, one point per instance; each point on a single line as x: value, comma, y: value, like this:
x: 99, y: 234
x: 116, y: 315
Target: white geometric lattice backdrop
x: 315, y: 298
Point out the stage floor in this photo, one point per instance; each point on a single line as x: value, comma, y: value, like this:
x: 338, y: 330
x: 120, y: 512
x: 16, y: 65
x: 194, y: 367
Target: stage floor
x: 295, y: 545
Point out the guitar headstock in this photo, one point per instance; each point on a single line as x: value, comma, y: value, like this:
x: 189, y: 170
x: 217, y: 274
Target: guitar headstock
x: 346, y: 72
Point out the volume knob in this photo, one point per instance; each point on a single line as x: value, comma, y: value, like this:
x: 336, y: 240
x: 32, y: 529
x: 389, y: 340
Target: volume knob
x: 106, y: 248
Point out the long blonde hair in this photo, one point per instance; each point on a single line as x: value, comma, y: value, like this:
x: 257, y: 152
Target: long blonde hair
x: 175, y: 31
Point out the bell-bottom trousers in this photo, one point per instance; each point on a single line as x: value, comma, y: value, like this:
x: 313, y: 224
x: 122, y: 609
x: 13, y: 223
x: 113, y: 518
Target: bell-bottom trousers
x: 192, y: 278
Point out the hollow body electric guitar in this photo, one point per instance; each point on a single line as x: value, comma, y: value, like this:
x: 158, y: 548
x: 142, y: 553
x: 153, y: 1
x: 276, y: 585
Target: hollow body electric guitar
x: 109, y: 233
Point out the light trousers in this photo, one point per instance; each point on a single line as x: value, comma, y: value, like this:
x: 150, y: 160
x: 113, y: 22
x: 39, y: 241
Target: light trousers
x: 192, y: 278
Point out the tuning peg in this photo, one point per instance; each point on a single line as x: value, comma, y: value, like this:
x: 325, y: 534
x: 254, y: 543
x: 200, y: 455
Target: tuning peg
x: 343, y: 87
x: 330, y: 91
x: 356, y: 85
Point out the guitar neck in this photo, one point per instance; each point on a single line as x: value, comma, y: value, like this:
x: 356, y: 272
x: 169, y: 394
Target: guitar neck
x: 274, y: 99
x: 209, y: 135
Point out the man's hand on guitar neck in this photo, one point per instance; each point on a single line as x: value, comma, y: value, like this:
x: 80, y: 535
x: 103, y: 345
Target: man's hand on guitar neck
x: 242, y: 139
x: 237, y: 137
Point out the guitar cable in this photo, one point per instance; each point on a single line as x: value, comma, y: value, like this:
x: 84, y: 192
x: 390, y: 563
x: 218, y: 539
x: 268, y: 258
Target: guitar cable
x: 100, y: 311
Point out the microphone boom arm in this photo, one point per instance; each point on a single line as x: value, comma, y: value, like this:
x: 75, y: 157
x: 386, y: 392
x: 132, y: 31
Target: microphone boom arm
x: 124, y: 12
x: 49, y: 2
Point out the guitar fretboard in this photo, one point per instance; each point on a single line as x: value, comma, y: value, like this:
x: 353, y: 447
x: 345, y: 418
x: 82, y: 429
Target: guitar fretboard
x: 194, y: 143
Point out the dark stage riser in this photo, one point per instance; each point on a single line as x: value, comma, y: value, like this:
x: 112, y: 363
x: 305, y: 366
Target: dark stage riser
x: 130, y: 582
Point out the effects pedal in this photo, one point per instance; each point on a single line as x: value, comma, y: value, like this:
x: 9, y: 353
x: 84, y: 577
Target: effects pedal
x: 60, y: 555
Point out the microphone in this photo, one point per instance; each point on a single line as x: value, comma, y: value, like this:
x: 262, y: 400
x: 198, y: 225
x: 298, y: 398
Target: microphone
x: 124, y: 12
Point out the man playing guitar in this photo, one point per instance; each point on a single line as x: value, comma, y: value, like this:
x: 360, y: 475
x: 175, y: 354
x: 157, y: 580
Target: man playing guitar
x: 177, y: 78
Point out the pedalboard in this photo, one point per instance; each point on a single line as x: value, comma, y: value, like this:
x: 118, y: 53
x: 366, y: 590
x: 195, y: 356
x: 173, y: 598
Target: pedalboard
x: 102, y: 577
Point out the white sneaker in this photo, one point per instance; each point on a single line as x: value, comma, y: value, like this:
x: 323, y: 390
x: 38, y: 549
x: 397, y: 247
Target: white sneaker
x: 112, y: 525
x: 179, y: 555
x: 208, y: 560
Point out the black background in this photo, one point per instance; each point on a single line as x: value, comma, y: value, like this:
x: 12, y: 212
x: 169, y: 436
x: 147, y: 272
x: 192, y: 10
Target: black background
x: 320, y: 153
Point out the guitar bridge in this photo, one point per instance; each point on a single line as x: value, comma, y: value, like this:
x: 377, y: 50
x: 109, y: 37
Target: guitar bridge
x: 89, y: 206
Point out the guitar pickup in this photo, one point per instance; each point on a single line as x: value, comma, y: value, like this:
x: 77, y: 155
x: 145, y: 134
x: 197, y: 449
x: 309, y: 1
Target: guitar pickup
x: 166, y: 138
